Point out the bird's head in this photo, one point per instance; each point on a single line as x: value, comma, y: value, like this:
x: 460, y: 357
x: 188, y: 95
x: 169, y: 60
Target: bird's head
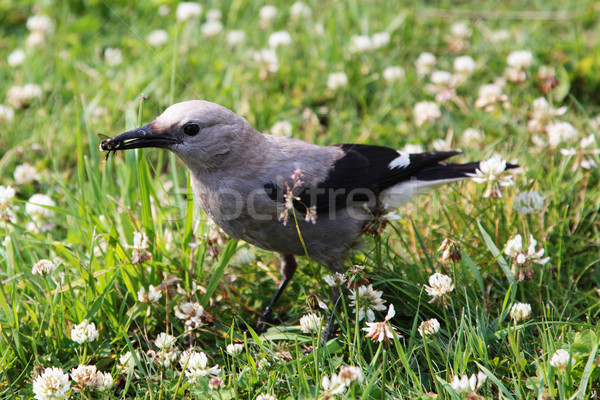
x: 201, y: 133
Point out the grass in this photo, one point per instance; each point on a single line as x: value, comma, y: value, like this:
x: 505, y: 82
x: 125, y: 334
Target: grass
x: 99, y: 204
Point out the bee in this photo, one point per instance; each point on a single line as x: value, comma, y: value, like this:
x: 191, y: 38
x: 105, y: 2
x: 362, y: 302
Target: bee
x: 108, y: 146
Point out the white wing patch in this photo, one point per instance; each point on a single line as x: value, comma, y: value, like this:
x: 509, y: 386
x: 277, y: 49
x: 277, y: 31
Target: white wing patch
x: 402, y: 161
x: 402, y: 193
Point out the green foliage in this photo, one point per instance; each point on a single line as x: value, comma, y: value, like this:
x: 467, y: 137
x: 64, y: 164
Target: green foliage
x: 101, y: 206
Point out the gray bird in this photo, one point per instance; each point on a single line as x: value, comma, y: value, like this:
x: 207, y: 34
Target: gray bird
x: 244, y: 180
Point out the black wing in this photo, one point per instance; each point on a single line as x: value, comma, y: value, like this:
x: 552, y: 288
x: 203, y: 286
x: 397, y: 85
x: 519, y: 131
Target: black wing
x: 365, y: 171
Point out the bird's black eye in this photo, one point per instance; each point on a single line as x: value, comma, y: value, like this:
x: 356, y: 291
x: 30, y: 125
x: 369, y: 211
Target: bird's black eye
x: 191, y: 129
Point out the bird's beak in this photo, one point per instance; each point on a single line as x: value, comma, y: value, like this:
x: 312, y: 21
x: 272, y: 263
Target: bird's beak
x: 138, y: 138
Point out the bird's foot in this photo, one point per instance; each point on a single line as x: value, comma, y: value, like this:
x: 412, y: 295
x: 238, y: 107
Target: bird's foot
x: 264, y: 323
x: 260, y: 327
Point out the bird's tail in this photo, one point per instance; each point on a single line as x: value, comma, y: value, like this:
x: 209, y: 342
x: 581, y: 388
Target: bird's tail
x: 451, y: 172
x: 429, y: 178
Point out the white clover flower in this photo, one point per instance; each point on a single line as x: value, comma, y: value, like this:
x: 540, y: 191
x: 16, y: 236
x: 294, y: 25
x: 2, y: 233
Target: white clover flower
x: 157, y: 38
x: 336, y: 279
x: 490, y: 95
x: 43, y: 268
x: 514, y: 246
x: 281, y: 128
x: 263, y: 363
x: 528, y: 202
x: 310, y: 323
x: 440, y: 145
x: 243, y: 256
x: 279, y: 39
x: 52, y: 384
x: 429, y: 327
x: 587, y: 141
x: 464, y: 67
x: 365, y: 300
x: 466, y: 384
x: 559, y: 132
x: 127, y: 362
x: 360, y: 44
x: 498, y: 36
x: 235, y: 349
x: 515, y: 75
x: 165, y: 357
x: 348, y: 375
x: 380, y: 39
x: 7, y: 114
x: 25, y: 173
x: 6, y: 195
x: 545, y: 73
x: 443, y: 85
x: 85, y: 332
x: 153, y: 295
x: 38, y: 205
x: 571, y: 151
x: 518, y: 62
x: 214, y: 14
x: 235, y: 38
x: 332, y: 386
x: 112, y: 56
x: 163, y: 10
x: 35, y: 39
x: 490, y: 173
x: 460, y: 30
x: 424, y: 63
x: 460, y: 385
x: 191, y: 312
x: 22, y: 96
x: 514, y: 249
x: 536, y: 256
x: 267, y: 62
x: 380, y: 331
x: 440, y: 286
x: 520, y: 59
x: 426, y: 111
x: 319, y: 29
x: 266, y: 15
x: 337, y: 80
x: 444, y: 78
x: 393, y: 73
x: 140, y: 240
x: 560, y: 360
x: 264, y: 396
x: 586, y: 163
x: 542, y: 114
x: 300, y: 10
x: 85, y: 377
x: 472, y: 136
x: 211, y: 28
x: 164, y: 341
x: 16, y: 58
x: 215, y: 383
x: 40, y: 23
x: 520, y: 311
x: 105, y: 381
x: 196, y: 365
x: 187, y: 10
x: 140, y: 251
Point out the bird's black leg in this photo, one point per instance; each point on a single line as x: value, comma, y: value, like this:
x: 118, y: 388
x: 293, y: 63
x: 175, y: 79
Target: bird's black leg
x: 331, y: 327
x: 288, y: 267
